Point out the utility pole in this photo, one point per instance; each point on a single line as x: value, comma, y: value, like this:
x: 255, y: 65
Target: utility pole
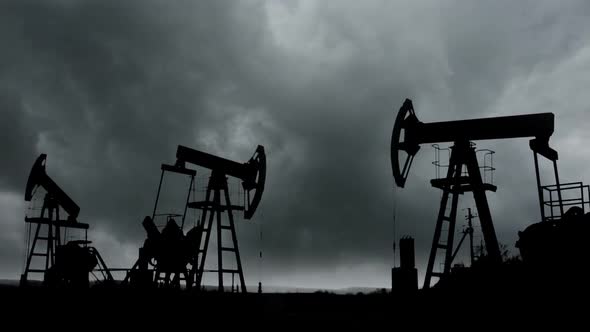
x: 469, y: 231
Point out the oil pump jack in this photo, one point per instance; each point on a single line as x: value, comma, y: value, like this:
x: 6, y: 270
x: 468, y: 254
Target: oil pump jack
x: 253, y: 177
x: 66, y: 264
x: 171, y: 251
x: 409, y: 133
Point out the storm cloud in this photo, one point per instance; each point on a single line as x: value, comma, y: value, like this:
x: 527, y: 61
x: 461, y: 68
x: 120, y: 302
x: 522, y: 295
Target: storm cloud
x: 108, y: 89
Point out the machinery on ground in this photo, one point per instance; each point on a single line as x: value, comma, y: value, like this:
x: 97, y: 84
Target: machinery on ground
x: 169, y: 252
x: 554, y: 251
x: 61, y: 262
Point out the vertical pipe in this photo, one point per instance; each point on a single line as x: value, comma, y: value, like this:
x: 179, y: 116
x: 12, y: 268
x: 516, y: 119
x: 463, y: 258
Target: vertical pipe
x: 582, y: 198
x: 539, y: 189
x: 551, y: 205
x: 558, y: 187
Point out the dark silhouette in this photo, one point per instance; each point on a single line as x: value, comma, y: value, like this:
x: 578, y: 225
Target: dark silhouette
x: 552, y: 251
x: 556, y: 242
x: 66, y: 264
x: 253, y: 176
x: 168, y: 252
x: 171, y: 251
x: 404, y: 279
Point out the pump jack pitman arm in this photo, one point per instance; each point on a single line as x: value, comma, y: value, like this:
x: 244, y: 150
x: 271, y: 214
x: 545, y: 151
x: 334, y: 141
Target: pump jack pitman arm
x: 39, y: 178
x: 252, y: 173
x: 540, y: 126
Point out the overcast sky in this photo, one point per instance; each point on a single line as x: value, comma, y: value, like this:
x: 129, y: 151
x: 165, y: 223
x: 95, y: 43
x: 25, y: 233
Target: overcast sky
x: 108, y: 89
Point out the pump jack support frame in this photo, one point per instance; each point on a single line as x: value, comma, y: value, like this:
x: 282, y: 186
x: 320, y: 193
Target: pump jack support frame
x: 455, y: 184
x: 217, y: 189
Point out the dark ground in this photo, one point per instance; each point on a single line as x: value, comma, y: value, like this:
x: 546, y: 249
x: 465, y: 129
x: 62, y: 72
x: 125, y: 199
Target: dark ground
x: 103, y: 307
